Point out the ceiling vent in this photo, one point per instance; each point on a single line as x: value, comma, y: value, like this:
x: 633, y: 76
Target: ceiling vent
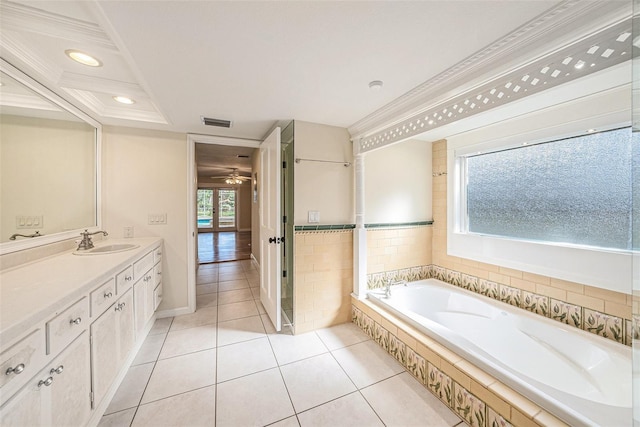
x: 216, y: 122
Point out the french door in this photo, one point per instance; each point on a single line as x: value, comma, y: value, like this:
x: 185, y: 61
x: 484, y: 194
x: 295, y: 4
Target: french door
x: 217, y: 209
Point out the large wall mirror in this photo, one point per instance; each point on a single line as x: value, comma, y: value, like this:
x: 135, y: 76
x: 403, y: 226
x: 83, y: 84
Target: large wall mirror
x: 49, y: 168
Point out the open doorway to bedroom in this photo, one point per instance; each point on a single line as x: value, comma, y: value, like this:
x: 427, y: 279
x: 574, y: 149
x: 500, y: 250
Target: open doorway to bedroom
x: 223, y: 203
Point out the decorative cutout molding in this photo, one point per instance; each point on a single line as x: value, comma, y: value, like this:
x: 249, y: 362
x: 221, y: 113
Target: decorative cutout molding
x: 564, y: 31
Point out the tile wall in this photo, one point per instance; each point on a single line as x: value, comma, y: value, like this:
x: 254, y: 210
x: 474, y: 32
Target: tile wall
x: 475, y: 396
x: 323, y: 278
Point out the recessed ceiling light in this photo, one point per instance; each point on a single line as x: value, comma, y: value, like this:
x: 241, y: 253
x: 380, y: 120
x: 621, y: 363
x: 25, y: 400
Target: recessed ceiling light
x: 375, y: 85
x: 124, y: 100
x: 83, y: 58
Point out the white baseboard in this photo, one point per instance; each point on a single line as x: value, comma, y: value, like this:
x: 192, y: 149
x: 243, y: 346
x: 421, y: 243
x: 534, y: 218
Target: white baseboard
x: 173, y: 312
x: 255, y: 262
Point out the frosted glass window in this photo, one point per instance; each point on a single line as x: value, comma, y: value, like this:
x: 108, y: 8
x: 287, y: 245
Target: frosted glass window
x: 575, y: 190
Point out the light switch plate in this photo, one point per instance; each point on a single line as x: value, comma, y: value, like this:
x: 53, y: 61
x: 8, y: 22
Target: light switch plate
x: 314, y: 217
x: 157, y: 218
x: 128, y: 232
x: 29, y: 221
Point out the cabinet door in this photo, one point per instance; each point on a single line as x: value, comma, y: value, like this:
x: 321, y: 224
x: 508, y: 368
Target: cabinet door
x: 58, y: 395
x: 104, y: 353
x: 140, y: 302
x: 125, y: 326
x: 71, y: 387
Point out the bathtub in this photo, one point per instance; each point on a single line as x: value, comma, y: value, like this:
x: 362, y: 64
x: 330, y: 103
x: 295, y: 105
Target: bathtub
x: 579, y: 377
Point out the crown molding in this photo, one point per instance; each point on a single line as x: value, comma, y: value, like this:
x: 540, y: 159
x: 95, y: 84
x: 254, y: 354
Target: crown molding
x: 22, y: 18
x: 562, y: 25
x: 31, y: 102
x: 94, y: 84
x: 14, y: 48
x: 127, y: 113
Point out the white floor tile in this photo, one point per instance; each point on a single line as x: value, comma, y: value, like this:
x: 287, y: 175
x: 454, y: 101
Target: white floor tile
x: 290, y: 348
x: 287, y: 422
x: 367, y: 363
x: 403, y: 401
x: 312, y: 382
x: 347, y: 411
x: 190, y: 340
x: 231, y: 275
x: 232, y: 285
x: 150, y: 349
x: 207, y: 300
x: 237, y: 310
x: 249, y: 357
x: 118, y: 419
x: 263, y: 393
x: 161, y: 326
x: 342, y: 335
x: 181, y: 374
x: 130, y: 391
x: 204, y: 316
x: 207, y: 277
x: 238, y: 295
x: 238, y: 330
x: 261, y: 309
x: 268, y: 326
x: 256, y: 293
x: 210, y: 288
x: 194, y: 408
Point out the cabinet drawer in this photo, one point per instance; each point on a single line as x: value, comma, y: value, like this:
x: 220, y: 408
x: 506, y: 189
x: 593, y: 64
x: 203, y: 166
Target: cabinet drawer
x: 157, y: 296
x: 102, y: 298
x: 157, y: 255
x: 157, y: 273
x: 143, y: 265
x: 63, y: 328
x: 22, y: 361
x: 124, y: 280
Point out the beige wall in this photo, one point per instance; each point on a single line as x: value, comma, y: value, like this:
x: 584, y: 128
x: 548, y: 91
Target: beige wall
x: 398, y: 183
x: 145, y: 172
x: 47, y: 169
x: 323, y: 187
x: 323, y: 279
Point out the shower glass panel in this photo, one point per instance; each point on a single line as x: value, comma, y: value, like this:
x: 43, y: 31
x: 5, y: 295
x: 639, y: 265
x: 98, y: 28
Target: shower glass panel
x: 286, y: 142
x: 635, y: 173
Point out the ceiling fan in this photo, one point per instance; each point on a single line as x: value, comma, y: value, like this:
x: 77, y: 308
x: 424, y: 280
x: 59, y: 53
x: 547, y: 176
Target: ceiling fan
x: 233, y: 178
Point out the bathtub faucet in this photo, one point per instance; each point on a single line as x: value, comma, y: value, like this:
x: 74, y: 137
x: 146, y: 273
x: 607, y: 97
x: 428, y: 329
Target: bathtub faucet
x: 390, y: 282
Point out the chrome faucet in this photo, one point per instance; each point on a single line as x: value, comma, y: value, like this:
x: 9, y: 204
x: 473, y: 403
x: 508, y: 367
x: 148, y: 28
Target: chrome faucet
x: 390, y: 282
x: 36, y: 234
x: 86, y: 242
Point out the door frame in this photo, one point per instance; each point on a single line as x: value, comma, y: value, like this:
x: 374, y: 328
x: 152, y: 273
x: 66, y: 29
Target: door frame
x: 192, y: 214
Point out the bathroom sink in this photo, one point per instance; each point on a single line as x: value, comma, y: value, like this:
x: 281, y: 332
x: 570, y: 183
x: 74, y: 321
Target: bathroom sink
x: 108, y: 249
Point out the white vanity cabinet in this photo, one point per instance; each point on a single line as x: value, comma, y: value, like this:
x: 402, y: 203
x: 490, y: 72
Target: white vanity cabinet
x: 112, y: 337
x: 58, y: 395
x: 69, y: 328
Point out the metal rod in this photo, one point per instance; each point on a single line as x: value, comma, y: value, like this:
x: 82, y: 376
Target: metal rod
x: 345, y: 164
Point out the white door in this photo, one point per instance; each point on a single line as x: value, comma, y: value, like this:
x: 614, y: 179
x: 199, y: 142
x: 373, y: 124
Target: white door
x: 270, y: 227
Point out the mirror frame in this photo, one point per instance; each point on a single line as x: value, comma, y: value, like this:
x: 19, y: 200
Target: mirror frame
x: 40, y: 89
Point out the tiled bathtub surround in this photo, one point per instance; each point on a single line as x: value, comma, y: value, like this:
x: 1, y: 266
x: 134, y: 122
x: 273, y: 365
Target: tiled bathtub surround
x: 609, y: 326
x: 398, y: 247
x: 476, y: 397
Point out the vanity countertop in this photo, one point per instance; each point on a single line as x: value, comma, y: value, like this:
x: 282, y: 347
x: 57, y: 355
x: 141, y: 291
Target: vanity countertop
x: 37, y: 291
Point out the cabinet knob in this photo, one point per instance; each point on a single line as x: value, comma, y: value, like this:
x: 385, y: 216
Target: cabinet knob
x: 57, y: 370
x: 117, y: 307
x: 108, y: 295
x: 17, y: 370
x: 46, y: 382
x: 127, y: 278
x: 75, y: 321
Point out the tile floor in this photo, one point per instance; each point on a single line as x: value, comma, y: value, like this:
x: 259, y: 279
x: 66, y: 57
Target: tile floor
x: 224, y: 365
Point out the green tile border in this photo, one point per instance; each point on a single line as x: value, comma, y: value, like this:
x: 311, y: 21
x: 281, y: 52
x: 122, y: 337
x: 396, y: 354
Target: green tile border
x: 325, y: 227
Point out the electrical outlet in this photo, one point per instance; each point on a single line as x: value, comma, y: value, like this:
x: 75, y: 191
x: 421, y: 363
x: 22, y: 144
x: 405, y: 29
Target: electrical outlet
x: 128, y: 232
